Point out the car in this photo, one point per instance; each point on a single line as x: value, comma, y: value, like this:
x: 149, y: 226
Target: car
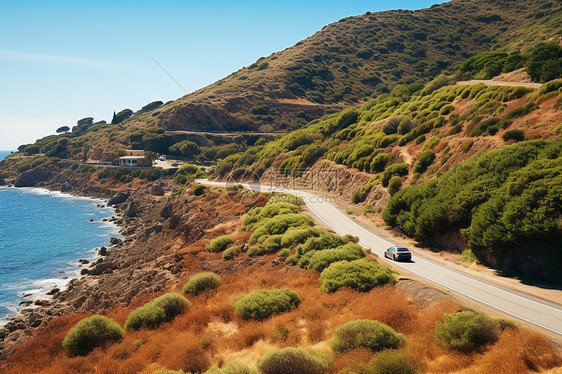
x: 398, y: 253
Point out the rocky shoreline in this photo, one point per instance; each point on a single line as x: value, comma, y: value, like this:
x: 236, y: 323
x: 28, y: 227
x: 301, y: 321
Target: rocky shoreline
x: 136, y: 265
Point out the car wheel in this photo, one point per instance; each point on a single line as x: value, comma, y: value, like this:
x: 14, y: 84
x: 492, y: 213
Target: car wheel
x: 394, y: 257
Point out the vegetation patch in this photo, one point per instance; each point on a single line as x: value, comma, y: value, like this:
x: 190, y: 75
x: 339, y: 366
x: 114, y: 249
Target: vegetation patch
x: 293, y: 360
x: 201, y: 282
x: 219, y: 244
x: 264, y: 303
x: 466, y: 331
x: 90, y: 333
x: 152, y: 314
x: 361, y: 275
x: 365, y: 333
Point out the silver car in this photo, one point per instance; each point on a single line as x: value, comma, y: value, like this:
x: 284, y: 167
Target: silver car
x: 398, y: 254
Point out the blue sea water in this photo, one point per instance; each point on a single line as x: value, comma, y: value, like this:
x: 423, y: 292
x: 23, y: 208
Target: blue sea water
x: 43, y: 234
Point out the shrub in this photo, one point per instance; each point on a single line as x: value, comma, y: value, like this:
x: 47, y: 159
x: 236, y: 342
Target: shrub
x: 294, y: 236
x: 284, y: 253
x: 517, y: 135
x: 394, y: 185
x: 365, y: 333
x: 324, y: 240
x: 361, y: 275
x: 232, y: 252
x: 255, y: 250
x: 392, y: 361
x: 90, y: 333
x: 279, y: 224
x: 320, y: 260
x: 466, y: 331
x: 155, y: 312
x: 272, y: 244
x: 263, y: 303
x: 201, y: 282
x: 399, y: 169
x: 235, y: 367
x: 379, y: 162
x: 368, y: 209
x: 425, y: 160
x: 219, y: 244
x: 293, y: 360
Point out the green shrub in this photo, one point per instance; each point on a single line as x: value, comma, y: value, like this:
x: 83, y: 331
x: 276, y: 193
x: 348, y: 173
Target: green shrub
x: 268, y: 211
x: 365, y: 333
x: 394, y: 185
x: 466, y: 331
x: 295, y: 236
x: 219, y: 244
x: 255, y: 250
x: 399, y: 169
x: 368, y: 209
x: 425, y: 160
x: 293, y: 360
x: 320, y: 260
x: 232, y: 252
x: 361, y: 275
x: 379, y: 162
x: 155, y: 312
x: 263, y: 303
x: 392, y: 361
x: 201, y: 282
x: 279, y: 225
x: 516, y: 134
x: 284, y: 253
x: 272, y: 244
x: 90, y: 333
x: 324, y: 240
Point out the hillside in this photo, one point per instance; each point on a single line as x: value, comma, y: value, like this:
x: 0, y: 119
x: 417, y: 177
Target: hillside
x: 358, y: 57
x: 423, y: 137
x: 236, y: 297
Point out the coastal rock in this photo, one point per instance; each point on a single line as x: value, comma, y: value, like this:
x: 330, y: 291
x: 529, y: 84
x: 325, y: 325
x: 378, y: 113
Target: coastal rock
x: 157, y: 190
x: 154, y: 229
x: 103, y: 251
x: 32, y: 177
x: 118, y: 198
x: 132, y: 210
x: 2, y: 182
x: 101, y: 268
x: 115, y: 241
x: 166, y: 211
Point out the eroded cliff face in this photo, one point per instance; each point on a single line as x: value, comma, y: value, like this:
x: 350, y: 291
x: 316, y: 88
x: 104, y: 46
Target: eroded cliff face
x: 159, y: 224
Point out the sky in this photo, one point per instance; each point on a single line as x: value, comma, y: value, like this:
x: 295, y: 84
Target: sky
x: 64, y: 60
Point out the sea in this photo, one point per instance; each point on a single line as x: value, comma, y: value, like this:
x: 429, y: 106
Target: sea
x: 43, y: 234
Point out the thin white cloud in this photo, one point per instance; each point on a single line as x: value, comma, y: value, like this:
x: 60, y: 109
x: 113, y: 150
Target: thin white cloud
x: 57, y: 60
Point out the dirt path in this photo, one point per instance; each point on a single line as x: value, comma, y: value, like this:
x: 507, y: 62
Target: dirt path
x: 499, y: 83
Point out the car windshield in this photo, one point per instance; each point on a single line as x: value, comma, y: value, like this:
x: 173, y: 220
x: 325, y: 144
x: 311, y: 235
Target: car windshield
x: 403, y: 250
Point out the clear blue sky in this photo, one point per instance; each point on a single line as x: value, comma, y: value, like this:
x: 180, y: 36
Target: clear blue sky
x: 64, y: 60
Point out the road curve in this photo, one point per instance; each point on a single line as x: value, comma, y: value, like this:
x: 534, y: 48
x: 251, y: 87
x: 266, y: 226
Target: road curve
x: 539, y: 313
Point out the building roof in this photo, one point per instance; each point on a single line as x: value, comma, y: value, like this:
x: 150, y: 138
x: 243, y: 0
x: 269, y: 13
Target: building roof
x: 132, y: 158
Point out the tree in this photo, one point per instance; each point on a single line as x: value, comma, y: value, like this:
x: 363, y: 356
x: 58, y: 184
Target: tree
x: 63, y: 129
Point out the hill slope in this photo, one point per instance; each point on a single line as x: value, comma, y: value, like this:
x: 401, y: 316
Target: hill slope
x: 357, y: 57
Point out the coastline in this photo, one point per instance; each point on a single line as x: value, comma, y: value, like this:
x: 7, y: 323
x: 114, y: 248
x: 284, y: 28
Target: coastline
x: 42, y: 288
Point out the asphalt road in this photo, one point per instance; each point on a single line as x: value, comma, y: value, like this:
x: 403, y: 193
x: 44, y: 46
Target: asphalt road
x: 534, y: 311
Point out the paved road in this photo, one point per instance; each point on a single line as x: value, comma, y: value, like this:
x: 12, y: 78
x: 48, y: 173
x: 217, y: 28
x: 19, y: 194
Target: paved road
x: 499, y: 83
x: 536, y: 312
x: 225, y: 133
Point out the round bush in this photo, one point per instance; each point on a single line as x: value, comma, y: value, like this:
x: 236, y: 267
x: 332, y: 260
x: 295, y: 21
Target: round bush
x: 293, y: 360
x: 155, y: 312
x: 90, y: 333
x: 219, y: 244
x: 365, y: 333
x: 320, y: 260
x: 466, y: 331
x: 263, y: 303
x: 361, y: 275
x: 201, y: 282
x: 392, y: 361
x: 232, y: 252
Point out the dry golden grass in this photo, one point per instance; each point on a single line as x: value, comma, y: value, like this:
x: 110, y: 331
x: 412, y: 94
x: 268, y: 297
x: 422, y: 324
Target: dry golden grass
x: 209, y: 333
